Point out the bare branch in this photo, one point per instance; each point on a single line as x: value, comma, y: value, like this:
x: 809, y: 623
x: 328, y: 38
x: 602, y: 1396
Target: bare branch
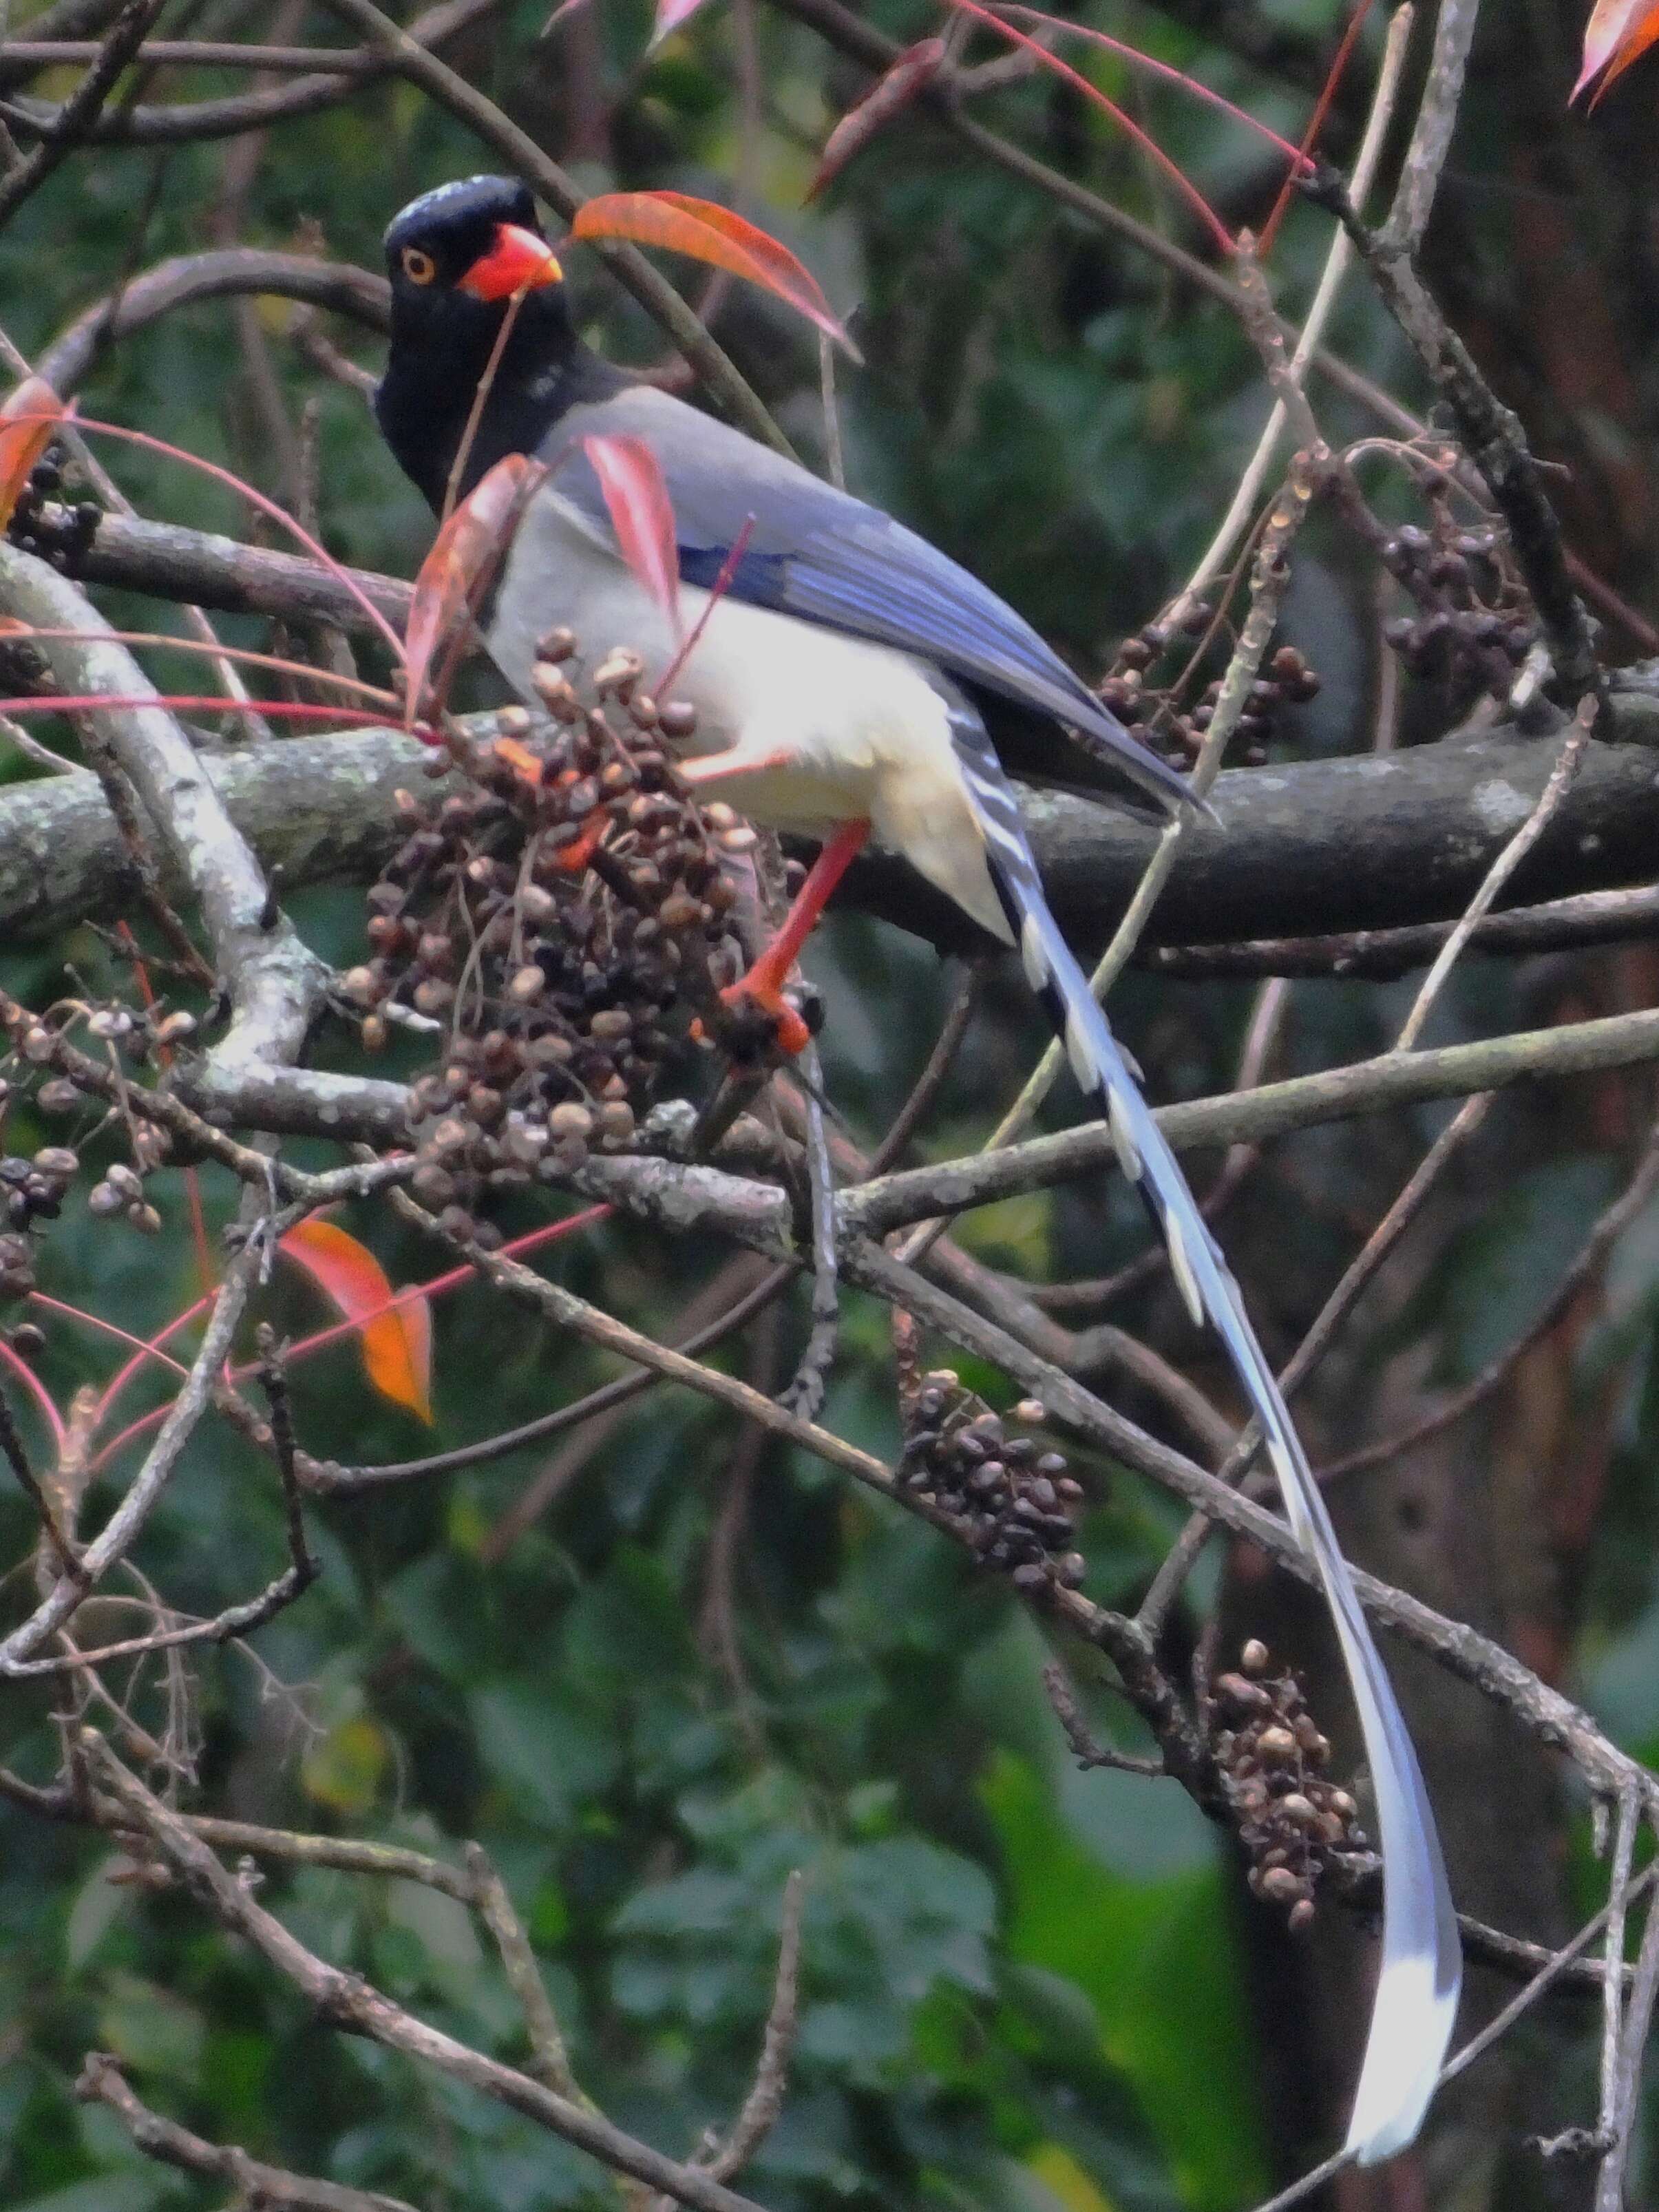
x: 229, y: 272
x: 347, y: 2002
x: 185, y: 121
x: 271, y: 2187
x: 76, y: 120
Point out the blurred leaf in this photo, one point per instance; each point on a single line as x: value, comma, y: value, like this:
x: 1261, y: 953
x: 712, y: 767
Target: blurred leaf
x: 913, y: 72
x: 98, y: 1904
x: 557, y: 1756
x: 642, y: 515
x: 1147, y: 1953
x: 1619, y: 32
x: 28, y: 421
x: 1064, y: 2180
x: 1013, y: 1233
x: 344, y: 1769
x: 671, y: 16
x: 397, y: 1339
x: 1501, y: 1271
x: 109, y: 2192
x: 456, y: 573
x: 149, y: 2029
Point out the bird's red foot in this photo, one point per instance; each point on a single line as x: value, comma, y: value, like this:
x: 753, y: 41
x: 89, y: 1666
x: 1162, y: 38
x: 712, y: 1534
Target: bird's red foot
x: 756, y: 1003
x: 774, y: 1018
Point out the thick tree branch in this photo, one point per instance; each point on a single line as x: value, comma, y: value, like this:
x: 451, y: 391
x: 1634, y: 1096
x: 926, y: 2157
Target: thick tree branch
x: 167, y: 562
x: 273, y: 979
x: 1358, y: 844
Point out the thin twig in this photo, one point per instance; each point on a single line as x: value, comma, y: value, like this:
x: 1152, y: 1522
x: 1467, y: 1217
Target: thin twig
x: 761, y: 2107
x: 1621, y: 2118
x: 1337, y: 258
x: 1086, y: 1748
x: 549, y: 2057
x: 1492, y: 436
x: 16, y: 1453
x: 1627, y: 1820
x: 76, y: 118
x: 1604, y: 1233
x: 1572, y: 755
x: 805, y: 1394
x: 1431, y: 134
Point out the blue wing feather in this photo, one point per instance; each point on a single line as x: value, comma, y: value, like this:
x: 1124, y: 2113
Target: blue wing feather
x: 825, y: 558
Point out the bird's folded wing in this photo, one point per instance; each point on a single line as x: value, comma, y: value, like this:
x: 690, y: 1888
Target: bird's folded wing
x: 818, y: 554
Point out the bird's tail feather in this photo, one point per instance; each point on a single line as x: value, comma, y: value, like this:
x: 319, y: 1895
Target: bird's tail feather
x: 1417, y: 1988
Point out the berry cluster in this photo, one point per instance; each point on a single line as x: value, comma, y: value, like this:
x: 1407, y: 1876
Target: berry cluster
x: 62, y: 536
x: 564, y: 916
x: 1010, y: 1500
x: 1293, y: 1821
x: 1176, y: 732
x: 1473, y: 626
x: 34, y: 1187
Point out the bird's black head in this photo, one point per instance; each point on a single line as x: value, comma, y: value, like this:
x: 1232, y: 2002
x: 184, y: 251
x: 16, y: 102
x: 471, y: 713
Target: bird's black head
x: 456, y: 258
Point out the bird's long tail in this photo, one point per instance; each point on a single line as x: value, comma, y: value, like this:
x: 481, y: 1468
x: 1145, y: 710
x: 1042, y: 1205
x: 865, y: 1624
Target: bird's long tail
x: 1418, y: 1987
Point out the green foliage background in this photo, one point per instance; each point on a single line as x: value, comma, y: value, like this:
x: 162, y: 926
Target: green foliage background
x: 1022, y: 1986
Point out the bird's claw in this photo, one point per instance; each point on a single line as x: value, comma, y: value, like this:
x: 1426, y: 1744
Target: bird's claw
x: 760, y: 1015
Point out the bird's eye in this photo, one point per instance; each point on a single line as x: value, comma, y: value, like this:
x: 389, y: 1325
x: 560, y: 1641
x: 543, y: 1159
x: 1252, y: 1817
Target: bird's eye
x: 419, y: 268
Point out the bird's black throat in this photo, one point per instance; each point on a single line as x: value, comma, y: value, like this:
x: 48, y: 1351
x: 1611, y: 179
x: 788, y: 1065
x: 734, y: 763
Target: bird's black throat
x: 441, y: 348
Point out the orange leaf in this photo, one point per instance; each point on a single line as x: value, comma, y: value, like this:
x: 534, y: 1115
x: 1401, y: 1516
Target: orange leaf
x: 913, y: 72
x: 642, y: 515
x: 1618, y: 32
x: 710, y: 233
x: 397, y: 1339
x: 456, y: 573
x: 23, y: 440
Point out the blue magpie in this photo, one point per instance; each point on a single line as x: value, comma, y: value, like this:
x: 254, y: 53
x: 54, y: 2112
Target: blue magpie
x: 850, y: 674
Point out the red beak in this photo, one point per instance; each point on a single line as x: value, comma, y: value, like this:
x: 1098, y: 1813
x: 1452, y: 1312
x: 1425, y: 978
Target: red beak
x: 517, y: 261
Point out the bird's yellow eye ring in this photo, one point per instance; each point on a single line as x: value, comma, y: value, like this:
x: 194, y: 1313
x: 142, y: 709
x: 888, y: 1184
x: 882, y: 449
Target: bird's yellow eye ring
x: 419, y: 268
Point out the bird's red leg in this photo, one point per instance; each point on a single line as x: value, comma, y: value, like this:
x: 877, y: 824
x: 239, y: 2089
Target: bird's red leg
x: 763, y: 986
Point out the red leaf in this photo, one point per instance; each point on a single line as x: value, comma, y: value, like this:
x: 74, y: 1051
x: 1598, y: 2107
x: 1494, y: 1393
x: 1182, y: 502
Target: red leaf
x: 671, y: 14
x: 712, y: 233
x: 22, y: 441
x: 642, y: 514
x: 1617, y: 33
x: 397, y: 1339
x: 913, y: 72
x: 456, y: 573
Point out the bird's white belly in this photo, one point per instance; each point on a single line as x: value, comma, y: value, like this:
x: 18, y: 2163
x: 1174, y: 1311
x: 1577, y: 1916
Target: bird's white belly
x: 821, y: 728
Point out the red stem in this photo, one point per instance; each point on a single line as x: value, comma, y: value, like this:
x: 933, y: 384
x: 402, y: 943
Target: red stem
x: 549, y: 1233
x: 1316, y: 125
x: 1297, y: 155
x: 266, y: 506
x: 1148, y: 145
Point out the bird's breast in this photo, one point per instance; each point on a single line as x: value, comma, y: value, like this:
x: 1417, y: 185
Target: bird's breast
x: 821, y: 727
